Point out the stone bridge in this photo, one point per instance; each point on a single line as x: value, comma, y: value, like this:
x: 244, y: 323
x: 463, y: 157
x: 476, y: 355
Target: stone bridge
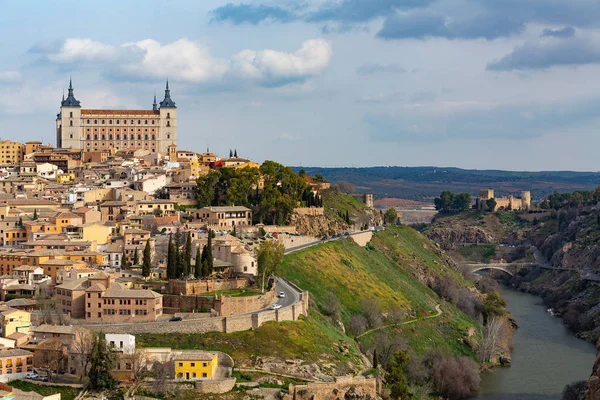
x: 510, y: 268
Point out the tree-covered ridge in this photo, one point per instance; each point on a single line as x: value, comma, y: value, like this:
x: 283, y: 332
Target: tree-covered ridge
x: 273, y: 189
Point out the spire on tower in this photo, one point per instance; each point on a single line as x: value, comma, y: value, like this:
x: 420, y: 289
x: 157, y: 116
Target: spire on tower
x: 167, y: 102
x: 154, y: 105
x: 70, y: 101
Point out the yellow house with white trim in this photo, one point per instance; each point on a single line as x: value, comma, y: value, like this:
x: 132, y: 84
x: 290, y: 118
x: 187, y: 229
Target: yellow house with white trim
x: 13, y: 320
x: 190, y: 365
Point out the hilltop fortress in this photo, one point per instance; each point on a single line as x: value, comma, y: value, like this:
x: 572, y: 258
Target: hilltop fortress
x: 507, y: 203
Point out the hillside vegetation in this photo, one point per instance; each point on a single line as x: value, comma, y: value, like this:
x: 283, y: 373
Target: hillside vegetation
x: 396, y: 270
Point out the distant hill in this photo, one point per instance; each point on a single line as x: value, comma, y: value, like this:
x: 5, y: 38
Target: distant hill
x: 424, y: 183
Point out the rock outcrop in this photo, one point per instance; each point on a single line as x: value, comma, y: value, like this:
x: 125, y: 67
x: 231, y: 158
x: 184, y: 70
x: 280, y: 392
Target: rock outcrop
x: 450, y: 238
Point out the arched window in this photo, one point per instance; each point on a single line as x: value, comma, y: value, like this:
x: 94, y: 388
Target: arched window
x: 110, y: 137
x: 117, y: 122
x: 95, y: 136
x: 146, y: 122
x: 153, y: 137
x: 168, y: 136
x: 118, y: 137
x: 88, y: 136
x: 71, y: 114
x: 168, y: 123
x: 95, y: 121
x: 131, y: 136
x: 103, y: 122
x: 103, y: 137
x: 110, y: 121
x: 146, y: 137
x: 139, y: 137
x: 71, y: 136
x: 70, y: 123
x: 168, y: 115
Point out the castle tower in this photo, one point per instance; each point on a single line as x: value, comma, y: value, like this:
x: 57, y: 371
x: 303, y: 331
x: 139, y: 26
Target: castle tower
x: 168, y: 118
x: 525, y: 199
x: 172, y: 152
x: 68, y: 121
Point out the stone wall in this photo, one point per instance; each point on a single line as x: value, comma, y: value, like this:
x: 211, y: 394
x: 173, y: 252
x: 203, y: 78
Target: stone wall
x: 199, y: 286
x: 232, y: 323
x: 343, y: 387
x: 173, y: 304
x: 362, y: 238
x: 310, y: 211
x: 214, y: 386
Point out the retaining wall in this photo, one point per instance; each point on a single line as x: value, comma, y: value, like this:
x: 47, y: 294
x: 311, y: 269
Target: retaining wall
x: 199, y: 286
x: 367, y: 387
x: 215, y: 386
x: 232, y: 323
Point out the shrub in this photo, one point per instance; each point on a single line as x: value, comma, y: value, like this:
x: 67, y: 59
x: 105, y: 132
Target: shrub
x: 456, y: 378
x: 372, y: 311
x: 358, y: 324
x: 331, y: 305
x: 574, y: 391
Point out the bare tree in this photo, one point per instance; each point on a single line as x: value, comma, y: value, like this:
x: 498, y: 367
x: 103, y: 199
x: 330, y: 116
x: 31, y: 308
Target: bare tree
x: 50, y: 356
x: 81, y: 350
x: 455, y: 378
x: 493, y: 336
x: 345, y: 187
x: 372, y: 310
x: 331, y: 305
x: 161, y: 374
x: 358, y: 323
x: 396, y: 315
x: 387, y: 345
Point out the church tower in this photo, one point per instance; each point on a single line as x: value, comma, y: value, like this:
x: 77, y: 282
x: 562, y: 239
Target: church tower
x: 68, y: 121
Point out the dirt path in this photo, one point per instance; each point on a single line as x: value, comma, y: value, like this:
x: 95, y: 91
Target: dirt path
x: 437, y: 308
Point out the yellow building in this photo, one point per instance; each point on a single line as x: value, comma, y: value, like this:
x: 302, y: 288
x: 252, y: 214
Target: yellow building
x: 65, y: 178
x: 11, y: 152
x: 13, y: 320
x: 194, y: 364
x: 97, y: 232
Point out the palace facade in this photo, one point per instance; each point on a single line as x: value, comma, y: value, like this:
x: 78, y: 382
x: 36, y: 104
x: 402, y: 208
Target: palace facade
x: 117, y: 130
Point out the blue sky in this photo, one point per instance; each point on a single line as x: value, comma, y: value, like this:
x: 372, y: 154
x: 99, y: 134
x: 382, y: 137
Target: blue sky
x: 506, y: 84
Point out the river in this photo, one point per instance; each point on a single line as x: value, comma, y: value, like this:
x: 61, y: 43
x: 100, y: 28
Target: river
x: 545, y: 358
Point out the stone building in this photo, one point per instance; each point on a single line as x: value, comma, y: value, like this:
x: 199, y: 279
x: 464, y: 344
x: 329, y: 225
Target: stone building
x: 113, y: 130
x: 507, y: 203
x: 11, y: 152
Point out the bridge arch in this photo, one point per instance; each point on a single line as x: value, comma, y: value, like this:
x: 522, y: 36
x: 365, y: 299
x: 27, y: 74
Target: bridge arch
x: 493, y: 267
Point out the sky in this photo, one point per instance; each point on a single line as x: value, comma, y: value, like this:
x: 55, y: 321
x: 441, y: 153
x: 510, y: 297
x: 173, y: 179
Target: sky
x: 485, y: 84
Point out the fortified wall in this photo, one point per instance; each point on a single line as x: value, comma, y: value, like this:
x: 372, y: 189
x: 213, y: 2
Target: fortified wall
x: 199, y: 286
x: 508, y: 203
x: 344, y: 387
x: 222, y: 305
x: 227, y: 324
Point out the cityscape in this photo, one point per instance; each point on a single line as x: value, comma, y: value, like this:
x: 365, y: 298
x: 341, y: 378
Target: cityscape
x: 249, y: 201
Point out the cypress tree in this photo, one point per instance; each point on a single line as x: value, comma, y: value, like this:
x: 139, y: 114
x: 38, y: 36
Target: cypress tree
x: 235, y: 153
x: 20, y: 223
x: 136, y: 257
x: 35, y: 214
x: 233, y: 232
x: 124, y: 262
x: 147, y: 262
x: 187, y: 260
x: 375, y: 360
x: 198, y: 265
x: 204, y: 262
x: 209, y: 255
x: 230, y: 153
x: 170, y: 259
x: 177, y: 258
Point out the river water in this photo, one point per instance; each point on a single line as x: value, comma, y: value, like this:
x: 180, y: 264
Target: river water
x: 546, y: 356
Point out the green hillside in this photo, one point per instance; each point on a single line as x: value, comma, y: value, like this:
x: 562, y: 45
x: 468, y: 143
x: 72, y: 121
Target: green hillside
x: 336, y: 202
x: 394, y: 272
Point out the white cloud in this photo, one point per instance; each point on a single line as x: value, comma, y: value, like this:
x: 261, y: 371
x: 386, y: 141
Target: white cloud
x: 188, y: 61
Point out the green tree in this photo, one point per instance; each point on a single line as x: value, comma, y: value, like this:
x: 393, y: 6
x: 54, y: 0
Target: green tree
x: 491, y: 204
x: 171, y: 264
x: 233, y: 232
x: 396, y: 378
x: 235, y: 153
x: 20, y: 223
x: 147, y: 260
x: 375, y: 360
x: 198, y: 264
x: 269, y: 255
x: 204, y: 262
x: 493, y: 305
x: 102, y: 361
x: 124, y: 262
x: 209, y: 254
x: 462, y: 202
x: 35, y: 214
x: 136, y: 257
x: 390, y: 217
x: 206, y: 188
x: 187, y: 258
x: 445, y: 202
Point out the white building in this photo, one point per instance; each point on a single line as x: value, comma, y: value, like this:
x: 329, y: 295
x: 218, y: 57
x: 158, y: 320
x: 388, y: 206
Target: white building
x: 122, y: 342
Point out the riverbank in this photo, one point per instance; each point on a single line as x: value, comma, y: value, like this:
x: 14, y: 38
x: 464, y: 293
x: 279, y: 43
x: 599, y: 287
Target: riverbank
x: 545, y: 357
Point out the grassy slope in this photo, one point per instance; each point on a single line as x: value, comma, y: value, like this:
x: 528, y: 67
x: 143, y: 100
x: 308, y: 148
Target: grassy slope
x: 67, y: 393
x: 388, y: 274
x: 335, y: 201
